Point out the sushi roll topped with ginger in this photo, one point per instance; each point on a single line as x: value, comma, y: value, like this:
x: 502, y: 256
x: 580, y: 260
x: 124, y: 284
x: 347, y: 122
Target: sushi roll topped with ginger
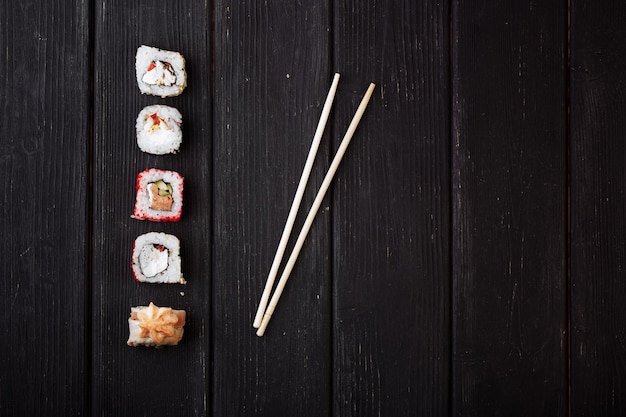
x: 155, y: 326
x: 160, y: 72
x: 158, y: 130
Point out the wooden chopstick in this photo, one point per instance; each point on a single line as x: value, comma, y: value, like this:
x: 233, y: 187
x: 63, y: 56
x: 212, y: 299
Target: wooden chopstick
x: 291, y: 218
x: 313, y: 211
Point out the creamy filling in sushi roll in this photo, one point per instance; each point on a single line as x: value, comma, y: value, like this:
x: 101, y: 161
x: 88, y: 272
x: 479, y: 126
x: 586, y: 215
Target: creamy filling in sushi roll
x: 156, y: 259
x: 159, y: 196
x: 153, y: 260
x: 160, y: 72
x: 158, y: 130
x: 155, y: 326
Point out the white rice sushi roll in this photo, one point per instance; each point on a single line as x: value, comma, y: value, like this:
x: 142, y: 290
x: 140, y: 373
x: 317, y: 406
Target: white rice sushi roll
x: 160, y: 72
x: 155, y: 326
x: 159, y: 196
x: 156, y: 259
x: 158, y: 130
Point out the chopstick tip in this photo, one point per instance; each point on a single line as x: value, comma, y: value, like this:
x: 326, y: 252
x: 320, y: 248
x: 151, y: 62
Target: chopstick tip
x: 266, y: 319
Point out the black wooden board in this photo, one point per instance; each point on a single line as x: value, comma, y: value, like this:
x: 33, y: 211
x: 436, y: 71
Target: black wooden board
x: 467, y: 260
x: 391, y: 211
x: 598, y: 197
x: 44, y: 143
x: 509, y: 208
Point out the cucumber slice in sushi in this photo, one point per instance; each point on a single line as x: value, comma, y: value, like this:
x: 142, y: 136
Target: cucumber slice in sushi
x: 165, y: 188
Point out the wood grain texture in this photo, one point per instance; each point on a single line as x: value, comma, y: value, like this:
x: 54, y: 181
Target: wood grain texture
x: 435, y: 279
x: 43, y: 162
x: 271, y: 79
x: 147, y: 381
x: 598, y: 198
x: 391, y: 211
x: 509, y: 208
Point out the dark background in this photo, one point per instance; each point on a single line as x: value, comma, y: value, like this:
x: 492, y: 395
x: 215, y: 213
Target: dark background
x: 469, y: 259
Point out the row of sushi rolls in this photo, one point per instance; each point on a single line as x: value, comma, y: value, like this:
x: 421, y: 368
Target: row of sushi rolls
x: 156, y: 255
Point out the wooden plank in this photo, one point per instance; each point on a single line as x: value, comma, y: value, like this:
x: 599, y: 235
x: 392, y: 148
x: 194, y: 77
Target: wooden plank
x: 598, y: 197
x: 391, y: 211
x: 146, y: 381
x: 44, y: 166
x: 271, y: 79
x: 509, y: 208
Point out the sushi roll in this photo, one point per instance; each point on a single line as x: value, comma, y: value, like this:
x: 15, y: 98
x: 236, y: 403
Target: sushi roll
x: 159, y: 196
x: 156, y: 259
x: 155, y: 326
x: 158, y: 130
x: 159, y: 72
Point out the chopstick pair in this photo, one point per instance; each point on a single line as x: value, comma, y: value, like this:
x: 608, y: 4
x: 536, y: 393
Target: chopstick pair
x: 265, y: 311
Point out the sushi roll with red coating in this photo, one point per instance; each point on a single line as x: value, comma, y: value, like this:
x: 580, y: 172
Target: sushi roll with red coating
x: 160, y: 72
x: 155, y: 326
x: 156, y: 259
x: 159, y: 196
x: 158, y: 130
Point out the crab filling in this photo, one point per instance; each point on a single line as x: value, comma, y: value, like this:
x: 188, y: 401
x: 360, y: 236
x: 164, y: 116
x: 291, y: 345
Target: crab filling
x: 160, y: 73
x: 160, y: 193
x: 153, y: 259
